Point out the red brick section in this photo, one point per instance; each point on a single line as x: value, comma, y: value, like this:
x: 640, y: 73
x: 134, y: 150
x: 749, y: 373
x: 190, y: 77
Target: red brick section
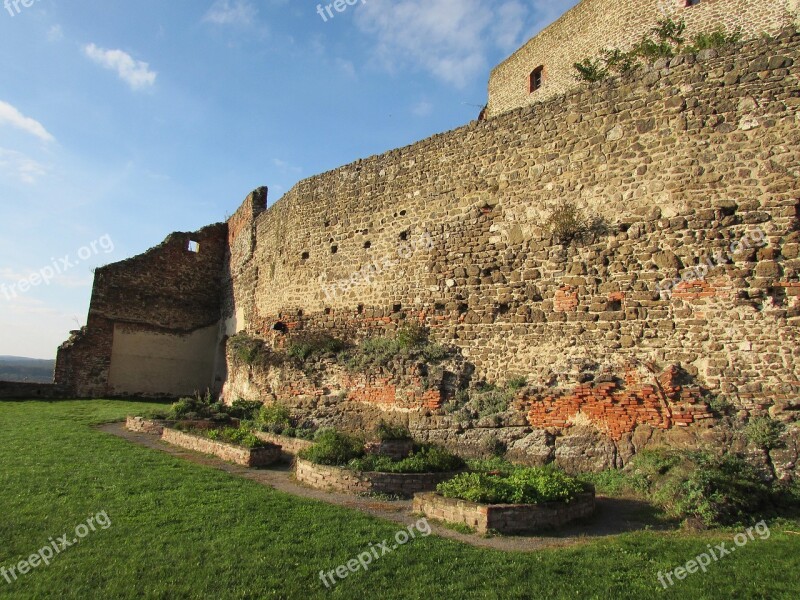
x: 385, y: 391
x: 566, y: 300
x: 617, y: 410
x: 700, y: 288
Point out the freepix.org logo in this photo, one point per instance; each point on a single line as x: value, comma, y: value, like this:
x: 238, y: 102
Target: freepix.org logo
x: 14, y: 7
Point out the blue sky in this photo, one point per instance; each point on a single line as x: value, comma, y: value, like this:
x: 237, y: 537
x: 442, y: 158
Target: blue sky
x: 121, y: 122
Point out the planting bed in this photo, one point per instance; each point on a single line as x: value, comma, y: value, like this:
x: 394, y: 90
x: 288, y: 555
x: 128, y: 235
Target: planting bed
x: 256, y: 457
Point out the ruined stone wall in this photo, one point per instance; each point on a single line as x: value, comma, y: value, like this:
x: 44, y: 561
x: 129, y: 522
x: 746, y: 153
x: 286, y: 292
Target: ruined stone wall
x: 693, y: 162
x: 594, y: 25
x: 153, y: 322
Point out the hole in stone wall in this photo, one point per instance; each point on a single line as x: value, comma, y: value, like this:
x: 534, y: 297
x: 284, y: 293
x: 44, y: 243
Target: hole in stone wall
x: 463, y: 308
x: 327, y: 311
x: 503, y: 309
x: 327, y: 223
x: 300, y: 312
x: 624, y: 227
x: 305, y: 256
x: 403, y: 213
x: 615, y: 305
x: 360, y: 309
x: 193, y: 246
x: 367, y: 245
x: 397, y: 307
x: 280, y: 327
x: 438, y: 306
x: 404, y: 235
x: 334, y: 249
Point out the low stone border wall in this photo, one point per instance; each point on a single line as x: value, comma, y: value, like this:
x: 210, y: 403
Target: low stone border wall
x: 17, y: 390
x: 504, y: 518
x: 291, y: 446
x: 354, y: 482
x: 257, y: 457
x: 142, y: 425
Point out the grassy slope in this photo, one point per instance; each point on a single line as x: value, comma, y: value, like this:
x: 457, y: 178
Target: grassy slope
x: 181, y: 530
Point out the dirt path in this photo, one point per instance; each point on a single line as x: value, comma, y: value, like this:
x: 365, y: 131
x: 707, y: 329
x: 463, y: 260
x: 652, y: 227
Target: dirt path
x: 613, y: 515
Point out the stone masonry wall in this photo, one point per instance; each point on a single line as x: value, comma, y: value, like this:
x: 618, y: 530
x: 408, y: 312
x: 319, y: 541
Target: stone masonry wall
x: 594, y: 25
x: 692, y: 159
x: 167, y: 293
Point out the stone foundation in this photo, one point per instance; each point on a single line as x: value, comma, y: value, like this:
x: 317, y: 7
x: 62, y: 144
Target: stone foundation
x: 353, y: 482
x: 504, y: 518
x: 257, y: 457
x: 142, y: 425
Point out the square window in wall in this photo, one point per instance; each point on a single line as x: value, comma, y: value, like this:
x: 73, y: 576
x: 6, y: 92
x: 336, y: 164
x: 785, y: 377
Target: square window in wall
x: 537, y: 79
x: 193, y: 246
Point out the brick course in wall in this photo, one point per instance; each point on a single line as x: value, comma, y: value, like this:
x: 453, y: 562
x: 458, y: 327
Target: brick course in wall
x: 504, y: 518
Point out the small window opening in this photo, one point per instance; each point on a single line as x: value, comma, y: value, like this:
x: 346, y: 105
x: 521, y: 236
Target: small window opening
x: 537, y: 78
x: 193, y: 246
x: 334, y: 249
x: 305, y: 256
x: 367, y: 245
x: 404, y: 236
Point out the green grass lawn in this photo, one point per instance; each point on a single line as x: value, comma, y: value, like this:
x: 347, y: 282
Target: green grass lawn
x: 181, y: 530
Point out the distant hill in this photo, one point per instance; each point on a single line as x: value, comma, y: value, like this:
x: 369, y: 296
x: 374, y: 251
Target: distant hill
x: 34, y: 370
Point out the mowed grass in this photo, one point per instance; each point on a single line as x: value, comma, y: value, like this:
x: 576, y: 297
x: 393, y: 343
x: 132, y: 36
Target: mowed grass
x: 181, y: 530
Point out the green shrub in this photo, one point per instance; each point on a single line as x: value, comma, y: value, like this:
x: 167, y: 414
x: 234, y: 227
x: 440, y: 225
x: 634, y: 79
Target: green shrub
x: 244, y: 409
x: 251, y: 351
x: 716, y: 39
x: 516, y: 383
x: 231, y: 435
x: 567, y: 223
x: 717, y: 490
x: 274, y: 418
x: 333, y: 448
x: 495, y: 464
x: 591, y: 70
x: 765, y: 433
x: 427, y: 459
x: 521, y: 486
x: 315, y: 345
x: 386, y: 431
x: 197, y: 408
x: 410, y: 342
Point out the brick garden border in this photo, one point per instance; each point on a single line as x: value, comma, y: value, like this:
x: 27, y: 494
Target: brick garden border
x: 504, y: 518
x: 256, y: 457
x: 291, y: 446
x: 340, y: 479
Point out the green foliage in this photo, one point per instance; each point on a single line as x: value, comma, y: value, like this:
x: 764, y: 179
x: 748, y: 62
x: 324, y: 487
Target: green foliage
x: 716, y: 39
x: 251, y: 351
x: 765, y: 432
x: 333, y: 448
x: 716, y: 490
x: 495, y: 465
x: 386, y: 431
x: 516, y: 383
x: 535, y: 485
x: 197, y: 408
x: 427, y: 459
x: 274, y: 418
x: 591, y: 70
x: 670, y: 32
x: 567, y: 223
x: 314, y: 345
x: 611, y: 482
x: 620, y: 62
x: 244, y: 409
x: 652, y: 50
x: 231, y: 435
x: 410, y: 342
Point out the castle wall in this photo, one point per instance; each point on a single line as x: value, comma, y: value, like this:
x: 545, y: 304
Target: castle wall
x: 153, y: 322
x: 693, y: 160
x: 594, y: 25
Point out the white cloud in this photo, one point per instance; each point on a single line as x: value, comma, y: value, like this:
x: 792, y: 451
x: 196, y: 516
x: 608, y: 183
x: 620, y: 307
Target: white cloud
x: 55, y: 34
x: 451, y: 39
x: 11, y: 116
x: 423, y: 108
x: 135, y: 73
x: 286, y: 167
x: 20, y: 167
x: 231, y: 12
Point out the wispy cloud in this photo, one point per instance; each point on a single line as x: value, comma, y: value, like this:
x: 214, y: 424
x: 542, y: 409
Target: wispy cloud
x: 286, y: 167
x: 231, y: 12
x: 9, y: 115
x: 423, y: 108
x: 451, y: 39
x: 20, y: 167
x: 135, y: 73
x: 55, y: 34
